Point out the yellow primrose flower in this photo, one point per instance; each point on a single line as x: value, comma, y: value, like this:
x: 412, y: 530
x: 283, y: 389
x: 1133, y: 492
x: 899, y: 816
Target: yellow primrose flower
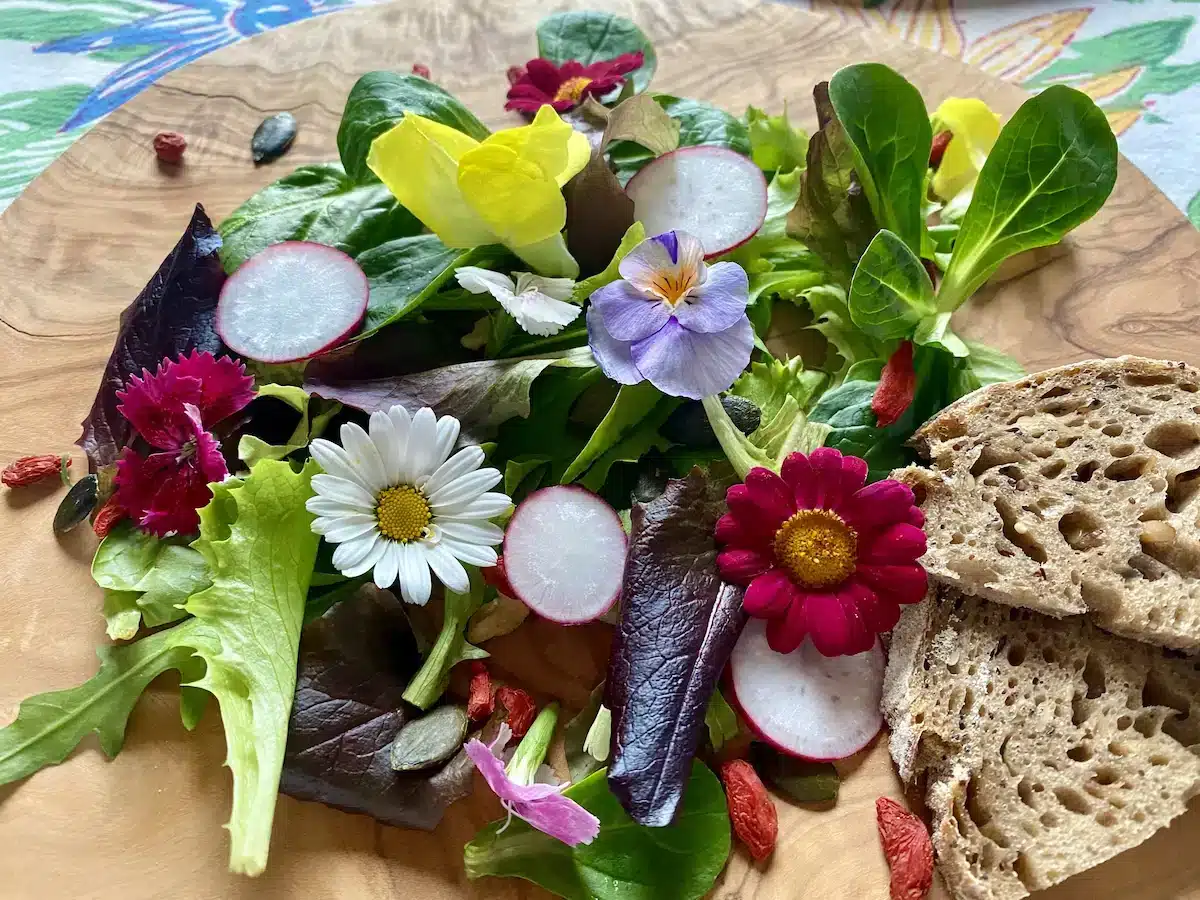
x: 506, y: 189
x: 975, y: 129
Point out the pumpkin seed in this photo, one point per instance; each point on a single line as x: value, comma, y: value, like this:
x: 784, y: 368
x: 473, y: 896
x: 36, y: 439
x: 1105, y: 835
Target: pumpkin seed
x: 273, y: 137
x: 77, y: 505
x: 429, y: 740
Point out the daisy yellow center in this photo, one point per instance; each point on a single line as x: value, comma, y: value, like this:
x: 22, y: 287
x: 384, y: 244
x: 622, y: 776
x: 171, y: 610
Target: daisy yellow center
x: 817, y: 548
x: 572, y: 88
x: 403, y: 513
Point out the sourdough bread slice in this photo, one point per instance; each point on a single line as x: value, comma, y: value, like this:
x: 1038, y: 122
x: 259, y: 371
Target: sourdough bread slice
x: 1042, y: 747
x: 1075, y: 490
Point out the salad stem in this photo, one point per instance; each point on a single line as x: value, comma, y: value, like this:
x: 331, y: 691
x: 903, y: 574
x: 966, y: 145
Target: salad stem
x: 531, y: 752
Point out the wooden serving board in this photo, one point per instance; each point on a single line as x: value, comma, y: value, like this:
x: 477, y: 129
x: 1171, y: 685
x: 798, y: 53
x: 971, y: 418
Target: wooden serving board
x: 88, y: 233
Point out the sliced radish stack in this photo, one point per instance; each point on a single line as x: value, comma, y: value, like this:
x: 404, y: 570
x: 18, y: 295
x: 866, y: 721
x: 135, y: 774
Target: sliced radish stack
x: 805, y: 704
x: 291, y: 301
x: 714, y: 193
x: 564, y: 554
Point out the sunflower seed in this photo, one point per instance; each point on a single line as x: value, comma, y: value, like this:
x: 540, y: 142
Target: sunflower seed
x: 273, y: 137
x: 77, y: 505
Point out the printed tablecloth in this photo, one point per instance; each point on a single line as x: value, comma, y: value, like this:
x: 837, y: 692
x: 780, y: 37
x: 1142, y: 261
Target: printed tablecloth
x: 64, y: 64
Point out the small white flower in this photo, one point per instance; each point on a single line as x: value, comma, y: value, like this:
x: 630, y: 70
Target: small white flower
x: 538, y: 304
x: 396, y: 501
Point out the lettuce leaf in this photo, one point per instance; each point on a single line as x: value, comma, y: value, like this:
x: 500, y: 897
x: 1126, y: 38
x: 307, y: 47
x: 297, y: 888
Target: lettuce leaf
x: 315, y: 415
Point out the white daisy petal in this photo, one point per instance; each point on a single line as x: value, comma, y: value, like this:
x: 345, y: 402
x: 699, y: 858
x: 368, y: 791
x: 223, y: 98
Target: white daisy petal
x: 403, y: 424
x: 466, y: 487
x: 352, y: 553
x: 387, y: 442
x: 343, y: 491
x: 349, y: 528
x: 468, y: 459
x: 422, y: 445
x: 472, y: 533
x: 414, y: 574
x: 473, y: 554
x: 325, y: 524
x: 378, y: 548
x: 334, y: 461
x: 448, y: 570
x: 387, y: 567
x: 485, y: 506
x: 447, y: 436
x: 364, y: 456
x: 484, y: 281
x: 327, y: 506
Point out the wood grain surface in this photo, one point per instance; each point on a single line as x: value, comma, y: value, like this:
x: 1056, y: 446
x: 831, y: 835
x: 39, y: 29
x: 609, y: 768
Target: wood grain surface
x: 88, y: 233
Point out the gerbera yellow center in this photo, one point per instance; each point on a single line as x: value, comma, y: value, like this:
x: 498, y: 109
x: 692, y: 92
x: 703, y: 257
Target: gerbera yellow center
x: 403, y: 513
x: 817, y: 548
x: 572, y: 88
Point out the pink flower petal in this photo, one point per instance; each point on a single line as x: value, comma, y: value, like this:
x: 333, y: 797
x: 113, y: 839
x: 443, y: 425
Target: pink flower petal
x: 901, y: 543
x: 828, y: 625
x: 786, y: 633
x: 902, y: 584
x: 753, y: 521
x: 798, y: 474
x: 544, y: 75
x: 879, y: 504
x: 878, y: 612
x: 730, y: 531
x: 861, y: 636
x: 827, y: 475
x: 916, y: 517
x: 770, y: 595
x: 854, y: 474
x: 771, y: 495
x: 739, y: 566
x: 153, y: 404
x: 225, y: 386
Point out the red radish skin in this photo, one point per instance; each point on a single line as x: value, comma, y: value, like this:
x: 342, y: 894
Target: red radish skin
x: 582, y: 538
x: 655, y: 213
x: 244, y: 310
x: 859, y: 717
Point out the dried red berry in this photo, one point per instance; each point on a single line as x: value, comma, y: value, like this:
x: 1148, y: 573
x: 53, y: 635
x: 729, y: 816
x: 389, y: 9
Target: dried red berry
x: 908, y: 850
x: 109, y: 515
x: 497, y: 577
x: 520, y: 708
x: 897, y: 383
x: 32, y: 469
x: 169, y: 146
x: 422, y: 70
x: 941, y: 140
x: 480, y: 699
x: 931, y: 270
x: 751, y: 810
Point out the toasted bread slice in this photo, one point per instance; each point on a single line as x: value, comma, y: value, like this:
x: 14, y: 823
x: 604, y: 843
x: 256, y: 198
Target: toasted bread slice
x: 1072, y: 491
x: 1042, y: 747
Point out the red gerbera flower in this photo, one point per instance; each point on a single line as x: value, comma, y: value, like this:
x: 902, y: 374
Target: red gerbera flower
x: 173, y: 410
x: 822, y: 555
x: 564, y: 87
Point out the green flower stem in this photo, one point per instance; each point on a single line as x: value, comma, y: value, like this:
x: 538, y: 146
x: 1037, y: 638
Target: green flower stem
x: 449, y: 649
x: 531, y: 752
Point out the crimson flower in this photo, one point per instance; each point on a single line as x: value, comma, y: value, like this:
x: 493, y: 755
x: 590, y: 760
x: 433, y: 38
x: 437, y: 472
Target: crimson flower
x: 823, y: 556
x: 174, y: 410
x: 563, y: 87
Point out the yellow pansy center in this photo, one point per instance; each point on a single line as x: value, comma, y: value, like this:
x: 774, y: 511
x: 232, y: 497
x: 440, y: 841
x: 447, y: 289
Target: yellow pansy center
x: 672, y: 287
x: 403, y: 513
x: 817, y: 548
x: 572, y: 89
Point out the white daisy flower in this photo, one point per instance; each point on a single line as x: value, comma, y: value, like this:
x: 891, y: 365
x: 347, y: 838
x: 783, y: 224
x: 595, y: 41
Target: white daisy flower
x: 538, y: 304
x: 396, y: 501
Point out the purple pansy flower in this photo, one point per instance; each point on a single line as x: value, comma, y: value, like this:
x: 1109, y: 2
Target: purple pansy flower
x: 672, y: 320
x: 541, y: 805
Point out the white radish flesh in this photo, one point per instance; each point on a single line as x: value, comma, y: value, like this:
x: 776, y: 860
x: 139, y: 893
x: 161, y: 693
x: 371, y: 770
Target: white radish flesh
x: 713, y: 193
x: 803, y: 703
x: 291, y: 301
x: 564, y: 554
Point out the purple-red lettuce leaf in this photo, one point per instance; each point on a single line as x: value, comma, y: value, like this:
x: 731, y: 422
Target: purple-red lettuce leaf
x: 173, y: 315
x: 678, y: 625
x: 355, y: 661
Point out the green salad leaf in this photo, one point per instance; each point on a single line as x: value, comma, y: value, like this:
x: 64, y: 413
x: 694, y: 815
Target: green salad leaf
x: 890, y: 137
x: 590, y: 36
x: 680, y: 861
x: 1052, y: 168
x: 775, y: 146
x: 315, y: 415
x: 891, y: 291
x: 988, y: 365
x: 379, y: 100
x: 720, y: 720
x: 700, y: 124
x: 632, y: 404
x: 635, y: 234
x: 318, y: 203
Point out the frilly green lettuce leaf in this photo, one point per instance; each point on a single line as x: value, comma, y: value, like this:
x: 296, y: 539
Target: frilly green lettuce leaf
x: 775, y: 146
x: 315, y: 414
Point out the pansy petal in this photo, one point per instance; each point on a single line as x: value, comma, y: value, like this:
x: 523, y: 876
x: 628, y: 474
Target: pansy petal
x: 718, y: 303
x: 742, y: 566
x: 674, y: 256
x: 629, y: 314
x: 896, y: 544
x: 876, y: 505
x: 614, y: 357
x: 465, y: 487
x: 484, y: 281
x: 472, y: 554
x: 770, y: 494
x: 770, y: 595
x: 681, y: 363
x: 343, y: 491
x: 447, y: 568
x: 786, y: 633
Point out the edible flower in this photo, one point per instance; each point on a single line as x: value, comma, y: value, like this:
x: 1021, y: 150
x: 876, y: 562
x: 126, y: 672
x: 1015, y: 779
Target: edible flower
x: 672, y: 320
x: 505, y: 190
x: 821, y: 555
x: 174, y: 410
x: 564, y: 87
x: 973, y: 129
x: 538, y: 304
x: 541, y: 805
x: 395, y: 501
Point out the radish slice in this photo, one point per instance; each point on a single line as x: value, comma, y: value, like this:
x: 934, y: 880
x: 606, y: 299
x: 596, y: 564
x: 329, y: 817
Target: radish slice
x: 291, y: 301
x: 716, y: 194
x: 805, y: 704
x: 564, y: 554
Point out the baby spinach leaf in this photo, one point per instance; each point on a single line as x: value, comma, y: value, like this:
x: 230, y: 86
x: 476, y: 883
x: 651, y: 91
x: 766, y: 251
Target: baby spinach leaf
x: 318, y: 203
x: 889, y: 131
x: 679, y: 861
x: 700, y: 123
x: 589, y: 36
x: 174, y: 314
x: 1052, y: 168
x: 678, y: 624
x: 379, y: 100
x: 891, y: 291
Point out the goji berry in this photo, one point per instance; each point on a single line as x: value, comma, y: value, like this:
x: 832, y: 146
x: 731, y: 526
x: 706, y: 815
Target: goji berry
x: 520, y: 708
x: 497, y: 577
x: 751, y: 811
x: 109, y: 515
x: 32, y: 469
x: 908, y: 849
x: 897, y: 384
x: 941, y: 141
x: 480, y: 699
x: 422, y: 70
x: 169, y: 146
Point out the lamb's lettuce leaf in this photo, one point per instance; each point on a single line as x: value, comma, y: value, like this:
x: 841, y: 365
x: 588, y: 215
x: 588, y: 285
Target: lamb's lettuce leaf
x: 891, y: 292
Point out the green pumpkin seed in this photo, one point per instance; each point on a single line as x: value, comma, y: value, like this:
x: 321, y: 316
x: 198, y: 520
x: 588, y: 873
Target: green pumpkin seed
x: 429, y: 740
x: 77, y: 505
x: 273, y: 137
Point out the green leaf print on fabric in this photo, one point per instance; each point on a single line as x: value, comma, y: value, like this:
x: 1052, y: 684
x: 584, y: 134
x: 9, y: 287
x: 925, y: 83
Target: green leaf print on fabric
x: 29, y: 137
